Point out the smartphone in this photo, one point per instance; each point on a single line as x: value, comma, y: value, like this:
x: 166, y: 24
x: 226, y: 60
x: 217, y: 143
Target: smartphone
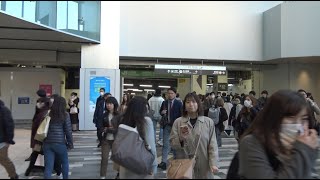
x: 184, y: 127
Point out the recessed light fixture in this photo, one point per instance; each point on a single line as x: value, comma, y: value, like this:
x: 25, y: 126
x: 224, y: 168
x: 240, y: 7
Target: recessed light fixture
x: 149, y: 90
x: 164, y: 86
x: 145, y: 85
x: 128, y: 84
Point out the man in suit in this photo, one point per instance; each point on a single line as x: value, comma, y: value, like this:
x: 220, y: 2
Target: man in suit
x: 172, y: 108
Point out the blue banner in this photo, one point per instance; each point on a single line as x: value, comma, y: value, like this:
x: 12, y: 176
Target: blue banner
x: 95, y: 84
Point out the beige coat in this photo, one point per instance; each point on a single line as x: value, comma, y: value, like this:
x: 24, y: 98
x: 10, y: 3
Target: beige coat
x: 206, y: 154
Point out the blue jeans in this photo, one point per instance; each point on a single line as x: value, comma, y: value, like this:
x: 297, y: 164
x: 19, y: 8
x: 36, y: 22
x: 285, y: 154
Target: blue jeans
x: 50, y: 151
x: 166, y: 144
x: 155, y: 123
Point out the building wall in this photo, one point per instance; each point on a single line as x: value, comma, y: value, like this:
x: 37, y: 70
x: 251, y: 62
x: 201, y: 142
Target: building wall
x: 293, y: 76
x: 205, y: 29
x: 184, y: 87
x: 25, y: 83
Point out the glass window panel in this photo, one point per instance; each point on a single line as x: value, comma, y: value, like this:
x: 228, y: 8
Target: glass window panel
x: 62, y: 14
x: 0, y: 5
x: 29, y: 11
x: 73, y: 10
x: 14, y: 8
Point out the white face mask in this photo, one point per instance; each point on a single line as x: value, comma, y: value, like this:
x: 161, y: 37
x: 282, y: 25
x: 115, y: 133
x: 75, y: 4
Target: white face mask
x: 292, y: 130
x: 39, y: 105
x: 247, y: 103
x: 101, y: 93
x: 264, y: 95
x: 213, y: 96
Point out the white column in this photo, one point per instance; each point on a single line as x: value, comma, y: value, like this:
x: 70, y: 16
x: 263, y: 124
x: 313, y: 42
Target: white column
x: 101, y: 60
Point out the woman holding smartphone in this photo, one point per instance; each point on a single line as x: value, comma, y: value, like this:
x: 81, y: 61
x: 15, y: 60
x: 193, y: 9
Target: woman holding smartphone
x: 185, y: 134
x: 279, y: 143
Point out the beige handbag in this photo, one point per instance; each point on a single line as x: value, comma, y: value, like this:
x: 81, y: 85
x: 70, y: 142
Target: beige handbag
x: 182, y: 168
x: 43, y: 129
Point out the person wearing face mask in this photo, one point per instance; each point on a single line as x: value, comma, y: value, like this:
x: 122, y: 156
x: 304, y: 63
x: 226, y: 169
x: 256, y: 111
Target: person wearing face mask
x: 209, y: 102
x: 235, y: 110
x: 43, y: 105
x: 263, y: 99
x: 246, y: 115
x: 279, y: 144
x: 74, y: 111
x: 314, y: 108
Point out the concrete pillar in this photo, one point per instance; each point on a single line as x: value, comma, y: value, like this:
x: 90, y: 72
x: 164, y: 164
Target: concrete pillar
x: 100, y: 63
x: 199, y: 84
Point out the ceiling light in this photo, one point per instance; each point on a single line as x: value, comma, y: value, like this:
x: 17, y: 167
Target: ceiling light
x: 144, y: 85
x: 128, y: 84
x: 137, y: 90
x: 164, y: 86
x: 209, y: 84
x: 230, y: 85
x: 149, y: 90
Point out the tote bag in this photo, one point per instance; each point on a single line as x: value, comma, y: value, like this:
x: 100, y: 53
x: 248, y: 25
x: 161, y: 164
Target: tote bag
x: 131, y: 151
x: 42, y: 130
x: 182, y: 168
x: 74, y: 110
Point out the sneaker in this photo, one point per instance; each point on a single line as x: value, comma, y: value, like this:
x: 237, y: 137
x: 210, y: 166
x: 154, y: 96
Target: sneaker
x: 160, y: 143
x: 162, y: 166
x: 117, y: 177
x: 59, y: 176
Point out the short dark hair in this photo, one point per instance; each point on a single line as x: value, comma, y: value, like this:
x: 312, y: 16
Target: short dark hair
x: 42, y: 93
x: 158, y: 92
x: 224, y: 94
x: 301, y: 90
x: 104, y: 90
x: 264, y: 92
x: 74, y: 94
x: 192, y: 97
x: 252, y: 92
x: 173, y: 89
x: 107, y: 94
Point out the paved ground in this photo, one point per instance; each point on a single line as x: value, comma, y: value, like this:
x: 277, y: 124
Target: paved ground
x: 85, y: 158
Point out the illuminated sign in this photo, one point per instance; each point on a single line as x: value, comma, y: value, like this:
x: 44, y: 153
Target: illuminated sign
x: 190, y: 69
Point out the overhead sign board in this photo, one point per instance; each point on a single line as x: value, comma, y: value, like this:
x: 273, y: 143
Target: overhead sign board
x: 190, y: 69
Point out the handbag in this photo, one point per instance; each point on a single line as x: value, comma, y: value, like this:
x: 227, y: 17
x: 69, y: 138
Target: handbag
x: 74, y: 110
x: 43, y: 129
x: 131, y: 151
x: 182, y: 168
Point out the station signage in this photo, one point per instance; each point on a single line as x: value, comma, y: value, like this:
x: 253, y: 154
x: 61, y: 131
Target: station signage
x: 190, y: 69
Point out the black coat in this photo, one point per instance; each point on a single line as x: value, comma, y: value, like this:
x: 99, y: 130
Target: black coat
x: 6, y: 125
x: 98, y: 112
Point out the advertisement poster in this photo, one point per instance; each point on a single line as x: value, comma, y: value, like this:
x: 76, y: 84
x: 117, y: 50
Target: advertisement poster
x: 95, y: 84
x: 47, y: 88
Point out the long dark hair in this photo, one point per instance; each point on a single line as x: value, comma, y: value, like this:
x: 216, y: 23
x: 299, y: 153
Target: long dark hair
x: 135, y: 114
x: 125, y: 102
x: 192, y: 97
x: 267, y: 125
x: 58, y: 109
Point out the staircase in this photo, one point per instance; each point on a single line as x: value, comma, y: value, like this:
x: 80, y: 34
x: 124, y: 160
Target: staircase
x: 22, y: 123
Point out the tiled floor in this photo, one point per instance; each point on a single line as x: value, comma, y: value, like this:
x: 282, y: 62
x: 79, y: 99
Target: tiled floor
x: 85, y: 158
